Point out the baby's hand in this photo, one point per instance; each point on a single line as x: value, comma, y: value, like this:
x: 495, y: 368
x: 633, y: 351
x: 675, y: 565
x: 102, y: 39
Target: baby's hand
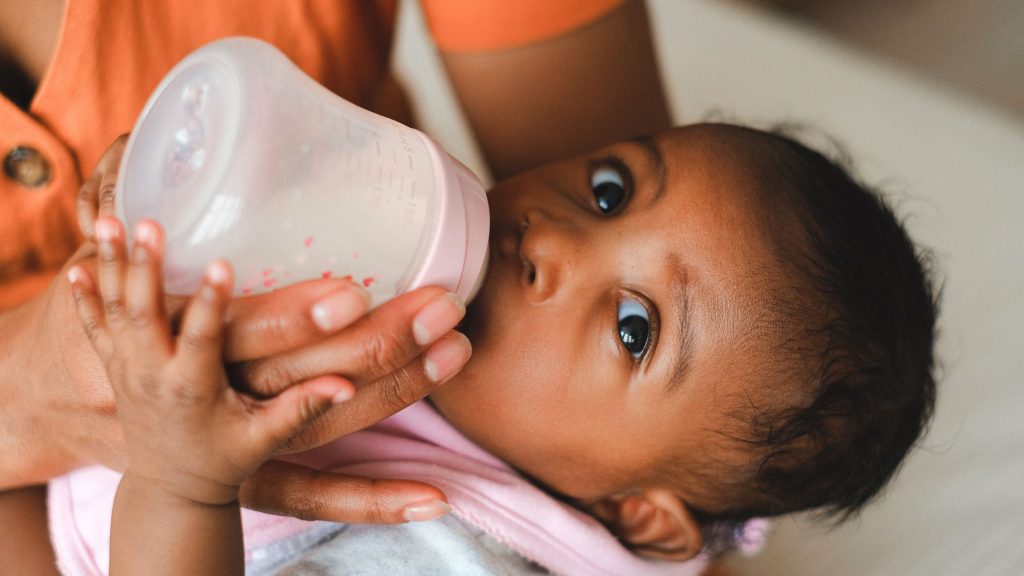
x: 186, y: 431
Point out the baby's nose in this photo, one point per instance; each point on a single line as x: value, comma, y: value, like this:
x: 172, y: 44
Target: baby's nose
x: 550, y: 250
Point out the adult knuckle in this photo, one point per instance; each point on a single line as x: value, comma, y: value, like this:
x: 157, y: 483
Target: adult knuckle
x: 397, y: 390
x: 266, y: 377
x: 280, y: 328
x: 304, y: 505
x: 376, y: 511
x: 313, y: 434
x: 380, y: 352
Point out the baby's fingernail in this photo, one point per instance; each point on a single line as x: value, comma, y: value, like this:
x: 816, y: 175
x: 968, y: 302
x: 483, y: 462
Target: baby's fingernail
x: 139, y: 253
x: 427, y: 510
x: 446, y: 357
x: 74, y: 275
x: 106, y: 232
x: 340, y: 308
x: 217, y: 273
x: 437, y: 318
x: 343, y: 395
x: 145, y: 233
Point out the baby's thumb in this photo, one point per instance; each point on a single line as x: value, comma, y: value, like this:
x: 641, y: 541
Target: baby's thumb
x: 299, y: 405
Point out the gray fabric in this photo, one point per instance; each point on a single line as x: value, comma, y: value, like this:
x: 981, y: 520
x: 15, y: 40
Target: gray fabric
x: 447, y: 547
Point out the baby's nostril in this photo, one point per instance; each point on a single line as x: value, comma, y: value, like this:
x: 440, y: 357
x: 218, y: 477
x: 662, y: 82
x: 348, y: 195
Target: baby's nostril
x: 531, y: 272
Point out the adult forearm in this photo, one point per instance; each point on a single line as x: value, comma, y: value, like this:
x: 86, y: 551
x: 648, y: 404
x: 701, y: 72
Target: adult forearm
x: 22, y: 402
x: 563, y: 96
x: 56, y: 408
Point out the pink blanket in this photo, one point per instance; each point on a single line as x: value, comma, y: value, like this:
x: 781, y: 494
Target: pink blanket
x: 416, y: 443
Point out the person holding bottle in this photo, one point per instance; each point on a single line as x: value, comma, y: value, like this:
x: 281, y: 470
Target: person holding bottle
x: 76, y: 74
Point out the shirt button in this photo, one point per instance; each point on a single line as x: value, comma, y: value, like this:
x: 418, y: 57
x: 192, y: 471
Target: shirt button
x: 27, y: 167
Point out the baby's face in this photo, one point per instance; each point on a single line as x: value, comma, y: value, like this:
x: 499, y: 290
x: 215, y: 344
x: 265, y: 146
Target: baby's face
x: 612, y: 334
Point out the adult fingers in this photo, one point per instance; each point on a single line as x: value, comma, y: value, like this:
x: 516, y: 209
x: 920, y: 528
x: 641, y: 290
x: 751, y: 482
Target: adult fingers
x: 376, y: 345
x: 293, y: 490
x: 291, y: 317
x: 100, y: 187
x: 385, y: 396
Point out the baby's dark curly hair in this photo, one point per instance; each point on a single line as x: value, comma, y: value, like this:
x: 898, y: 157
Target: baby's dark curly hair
x: 858, y: 311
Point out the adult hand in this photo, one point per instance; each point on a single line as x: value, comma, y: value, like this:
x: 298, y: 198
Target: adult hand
x: 58, y: 409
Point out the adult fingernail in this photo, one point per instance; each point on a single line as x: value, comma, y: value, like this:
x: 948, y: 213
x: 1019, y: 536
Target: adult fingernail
x: 446, y: 357
x: 340, y: 308
x: 427, y: 510
x: 437, y: 318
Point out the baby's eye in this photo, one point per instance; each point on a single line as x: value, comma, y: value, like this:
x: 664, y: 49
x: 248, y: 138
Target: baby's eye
x: 609, y: 184
x: 634, y: 327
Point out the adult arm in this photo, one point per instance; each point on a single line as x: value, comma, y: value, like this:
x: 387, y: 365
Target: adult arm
x: 561, y: 96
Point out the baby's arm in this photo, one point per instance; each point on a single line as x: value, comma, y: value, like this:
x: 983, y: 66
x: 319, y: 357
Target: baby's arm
x: 190, y: 438
x: 24, y: 541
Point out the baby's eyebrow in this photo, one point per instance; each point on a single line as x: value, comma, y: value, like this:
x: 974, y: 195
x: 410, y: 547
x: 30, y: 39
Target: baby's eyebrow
x: 650, y: 147
x: 681, y: 309
x: 680, y: 294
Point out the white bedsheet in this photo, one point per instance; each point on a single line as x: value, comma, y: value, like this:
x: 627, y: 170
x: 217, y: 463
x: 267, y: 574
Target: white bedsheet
x: 956, y: 170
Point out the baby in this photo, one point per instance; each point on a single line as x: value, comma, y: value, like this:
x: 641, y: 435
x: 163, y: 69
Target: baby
x: 676, y: 334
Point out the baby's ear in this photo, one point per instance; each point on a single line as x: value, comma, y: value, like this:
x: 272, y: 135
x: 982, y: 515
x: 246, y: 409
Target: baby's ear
x: 654, y: 523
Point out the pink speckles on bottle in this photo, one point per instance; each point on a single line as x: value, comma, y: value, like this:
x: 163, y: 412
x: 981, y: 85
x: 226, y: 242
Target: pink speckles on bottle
x: 361, y: 195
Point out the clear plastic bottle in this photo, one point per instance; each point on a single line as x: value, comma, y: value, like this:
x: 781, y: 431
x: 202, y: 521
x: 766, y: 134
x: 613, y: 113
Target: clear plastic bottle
x: 240, y: 155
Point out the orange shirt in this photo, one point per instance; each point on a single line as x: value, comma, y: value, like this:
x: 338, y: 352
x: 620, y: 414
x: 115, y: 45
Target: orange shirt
x: 112, y: 53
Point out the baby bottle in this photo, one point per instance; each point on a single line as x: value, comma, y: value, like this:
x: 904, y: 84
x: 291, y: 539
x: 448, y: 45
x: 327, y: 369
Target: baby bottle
x: 240, y: 155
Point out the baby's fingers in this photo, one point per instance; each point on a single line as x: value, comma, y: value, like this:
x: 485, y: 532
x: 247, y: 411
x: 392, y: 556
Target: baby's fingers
x: 292, y: 410
x: 143, y: 290
x: 201, y: 342
x: 90, y: 311
x: 110, y: 237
